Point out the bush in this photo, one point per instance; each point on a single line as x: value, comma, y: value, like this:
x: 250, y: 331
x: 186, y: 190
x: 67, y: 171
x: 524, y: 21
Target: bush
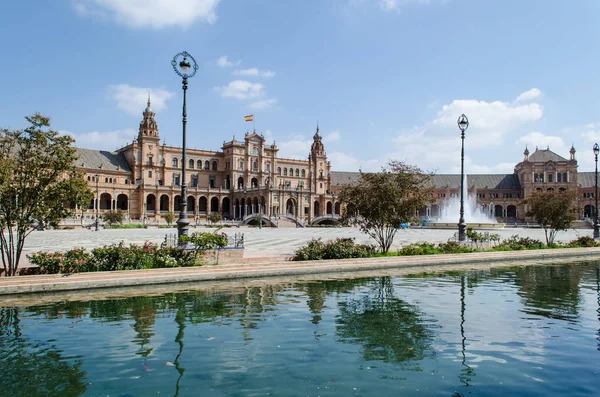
x: 169, y: 217
x: 129, y: 226
x: 60, y: 262
x: 583, y: 241
x: 112, y: 218
x: 215, y: 217
x: 516, y: 243
x: 452, y: 247
x: 112, y: 257
x: 340, y: 248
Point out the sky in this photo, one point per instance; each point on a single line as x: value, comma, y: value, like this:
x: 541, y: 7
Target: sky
x: 384, y: 79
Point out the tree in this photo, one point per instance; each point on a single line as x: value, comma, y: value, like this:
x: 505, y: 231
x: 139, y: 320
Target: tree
x: 380, y: 202
x: 113, y: 218
x: 552, y: 210
x: 169, y: 218
x: 38, y: 184
x: 215, y: 217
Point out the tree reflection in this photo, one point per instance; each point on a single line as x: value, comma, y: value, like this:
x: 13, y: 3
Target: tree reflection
x: 30, y: 368
x: 389, y: 329
x: 550, y: 291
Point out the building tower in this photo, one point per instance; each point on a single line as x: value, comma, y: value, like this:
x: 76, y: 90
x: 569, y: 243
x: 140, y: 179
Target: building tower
x: 319, y: 166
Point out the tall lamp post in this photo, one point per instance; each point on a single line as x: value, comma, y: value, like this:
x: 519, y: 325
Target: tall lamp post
x: 98, y: 199
x: 186, y: 68
x: 297, y: 204
x: 595, y: 212
x: 463, y: 124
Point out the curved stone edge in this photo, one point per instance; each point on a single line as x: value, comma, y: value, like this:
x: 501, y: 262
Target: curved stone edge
x: 420, y: 264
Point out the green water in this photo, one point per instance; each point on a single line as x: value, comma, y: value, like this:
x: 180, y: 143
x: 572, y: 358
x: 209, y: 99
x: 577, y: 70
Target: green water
x: 518, y: 332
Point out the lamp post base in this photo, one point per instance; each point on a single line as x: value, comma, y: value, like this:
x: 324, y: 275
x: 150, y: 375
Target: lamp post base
x: 462, y: 227
x: 183, y: 227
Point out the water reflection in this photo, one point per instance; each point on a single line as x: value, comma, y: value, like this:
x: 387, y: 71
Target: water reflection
x: 32, y: 368
x: 284, y: 333
x: 387, y: 328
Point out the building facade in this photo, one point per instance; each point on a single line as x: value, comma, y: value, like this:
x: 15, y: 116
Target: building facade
x: 246, y: 179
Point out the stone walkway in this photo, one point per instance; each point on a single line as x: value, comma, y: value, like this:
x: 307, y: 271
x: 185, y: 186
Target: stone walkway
x: 266, y: 242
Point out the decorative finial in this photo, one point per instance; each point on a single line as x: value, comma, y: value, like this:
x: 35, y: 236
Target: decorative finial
x: 148, y: 98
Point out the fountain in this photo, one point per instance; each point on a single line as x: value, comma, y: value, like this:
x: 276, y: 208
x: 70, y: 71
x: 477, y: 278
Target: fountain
x: 475, y: 216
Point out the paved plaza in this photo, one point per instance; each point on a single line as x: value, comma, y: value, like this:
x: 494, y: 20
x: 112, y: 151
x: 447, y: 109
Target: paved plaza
x: 266, y: 242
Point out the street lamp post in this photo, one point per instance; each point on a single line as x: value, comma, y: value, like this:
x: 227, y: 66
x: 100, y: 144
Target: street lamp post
x: 463, y: 124
x: 97, y: 199
x: 271, y: 203
x: 333, y: 204
x: 245, y: 205
x: 186, y: 68
x: 595, y: 212
x: 297, y: 205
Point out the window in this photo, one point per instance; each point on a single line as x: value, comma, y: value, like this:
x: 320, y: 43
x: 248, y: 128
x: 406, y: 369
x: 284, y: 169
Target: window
x: 160, y: 158
x: 214, y: 165
x: 559, y: 177
x: 138, y: 181
x: 191, y: 164
x: 207, y: 165
x: 268, y: 167
x: 550, y: 177
x: 565, y: 177
x: 241, y: 165
x: 255, y: 165
x: 160, y: 182
x: 279, y: 170
x: 105, y: 180
x: 303, y: 173
x: 150, y: 160
x: 176, y: 180
x: 542, y: 178
x: 291, y: 172
x: 199, y: 164
x: 126, y: 181
x: 195, y: 181
x: 150, y: 174
x: 139, y: 156
x: 89, y: 178
x: 297, y: 172
x: 175, y: 163
x: 285, y: 172
x: 535, y: 178
x: 211, y: 181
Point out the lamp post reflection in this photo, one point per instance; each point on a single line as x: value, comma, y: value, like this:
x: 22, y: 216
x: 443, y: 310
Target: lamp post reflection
x: 466, y: 372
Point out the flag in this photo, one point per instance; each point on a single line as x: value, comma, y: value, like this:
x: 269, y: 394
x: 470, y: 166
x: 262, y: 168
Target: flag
x: 249, y: 117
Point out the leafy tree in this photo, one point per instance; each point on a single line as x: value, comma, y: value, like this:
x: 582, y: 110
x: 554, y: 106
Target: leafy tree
x: 215, y: 217
x: 380, y: 202
x: 552, y: 210
x: 169, y: 218
x: 113, y: 218
x: 38, y: 184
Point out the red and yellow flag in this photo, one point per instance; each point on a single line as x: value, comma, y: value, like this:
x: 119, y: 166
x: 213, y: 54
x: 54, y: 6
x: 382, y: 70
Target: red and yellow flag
x: 250, y: 117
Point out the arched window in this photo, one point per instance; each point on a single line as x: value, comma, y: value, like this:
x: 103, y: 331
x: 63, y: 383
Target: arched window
x: 214, y: 165
x: 291, y: 172
x: 279, y: 170
x: 89, y: 178
x: 297, y: 172
x: 285, y: 172
x: 207, y: 165
x: 303, y: 173
x: 110, y: 180
x: 105, y: 180
x: 255, y: 165
x: 175, y: 163
x: 199, y: 164
x: 191, y: 164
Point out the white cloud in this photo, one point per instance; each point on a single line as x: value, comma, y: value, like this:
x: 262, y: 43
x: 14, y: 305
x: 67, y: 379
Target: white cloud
x: 254, y: 72
x: 133, y: 99
x: 489, y: 121
x: 263, y: 104
x: 154, y: 14
x: 223, y: 62
x: 341, y: 161
x: 109, y: 140
x: 541, y: 141
x: 334, y: 136
x: 529, y: 95
x: 395, y: 5
x: 241, y: 89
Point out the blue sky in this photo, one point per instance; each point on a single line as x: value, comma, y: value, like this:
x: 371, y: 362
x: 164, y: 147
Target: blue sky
x: 386, y: 79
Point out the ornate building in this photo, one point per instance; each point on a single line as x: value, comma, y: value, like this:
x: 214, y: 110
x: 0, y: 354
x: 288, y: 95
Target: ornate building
x: 244, y: 180
x: 501, y: 195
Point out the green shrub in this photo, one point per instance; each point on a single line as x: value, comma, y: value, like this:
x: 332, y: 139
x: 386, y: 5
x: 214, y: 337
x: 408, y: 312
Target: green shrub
x: 339, y: 248
x: 583, y: 241
x: 71, y: 261
x: 418, y: 249
x: 112, y: 218
x: 516, y: 243
x: 129, y: 226
x: 452, y: 247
